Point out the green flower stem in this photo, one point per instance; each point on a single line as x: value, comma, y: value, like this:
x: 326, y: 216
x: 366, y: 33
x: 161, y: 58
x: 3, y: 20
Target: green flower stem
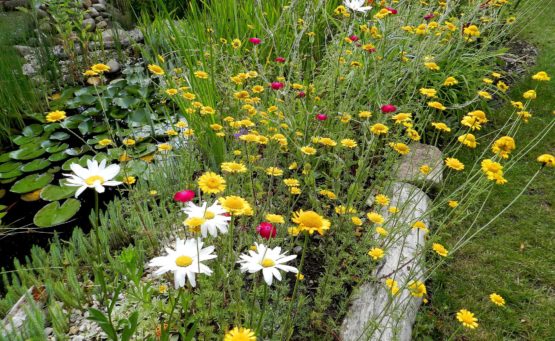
x: 286, y: 325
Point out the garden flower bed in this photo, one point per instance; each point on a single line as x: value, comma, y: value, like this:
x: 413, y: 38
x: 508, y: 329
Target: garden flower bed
x: 278, y: 170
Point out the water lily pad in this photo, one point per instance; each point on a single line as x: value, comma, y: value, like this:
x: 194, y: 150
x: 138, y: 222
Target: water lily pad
x: 32, y: 182
x: 21, y: 140
x: 78, y: 151
x: 8, y: 180
x: 135, y: 167
x: 47, y: 144
x: 58, y: 156
x: 85, y: 127
x: 57, y: 148
x: 35, y: 165
x: 49, y: 128
x: 9, y: 166
x: 10, y: 175
x: 54, y: 193
x: 55, y: 214
x: 72, y: 122
x: 5, y: 157
x: 68, y: 163
x: 32, y: 130
x: 100, y: 129
x: 59, y: 136
x: 28, y: 152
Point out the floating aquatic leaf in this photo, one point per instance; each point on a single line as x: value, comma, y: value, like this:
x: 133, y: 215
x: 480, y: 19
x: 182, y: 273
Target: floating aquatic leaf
x: 27, y: 152
x: 55, y: 214
x: 32, y: 182
x: 53, y: 192
x: 35, y: 165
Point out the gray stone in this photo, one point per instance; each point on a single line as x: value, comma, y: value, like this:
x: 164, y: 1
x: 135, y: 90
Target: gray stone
x: 89, y: 24
x: 14, y: 4
x: 93, y: 12
x: 102, y: 25
x: 45, y: 27
x: 28, y: 69
x: 86, y: 3
x: 24, y: 50
x: 99, y: 7
x: 114, y: 66
x: 375, y: 314
x: 125, y: 37
x: 408, y: 168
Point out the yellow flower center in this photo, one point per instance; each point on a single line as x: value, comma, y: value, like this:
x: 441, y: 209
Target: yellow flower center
x: 234, y: 203
x: 183, y: 261
x: 310, y: 219
x: 194, y: 221
x: 209, y: 215
x: 92, y: 179
x: 267, y: 262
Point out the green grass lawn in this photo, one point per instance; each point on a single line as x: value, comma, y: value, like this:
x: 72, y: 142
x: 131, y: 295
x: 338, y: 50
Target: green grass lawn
x: 515, y: 256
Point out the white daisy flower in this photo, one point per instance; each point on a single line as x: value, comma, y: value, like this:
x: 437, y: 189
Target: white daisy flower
x: 357, y: 5
x: 185, y: 261
x: 94, y: 176
x: 270, y: 261
x: 214, y: 218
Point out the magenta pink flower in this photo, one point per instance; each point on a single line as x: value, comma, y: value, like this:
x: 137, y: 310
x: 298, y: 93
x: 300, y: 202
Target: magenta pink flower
x: 429, y: 16
x: 353, y: 38
x: 255, y: 40
x: 321, y: 117
x: 266, y: 230
x: 301, y: 94
x: 184, y: 196
x: 391, y: 10
x: 388, y: 108
x: 280, y: 60
x: 277, y: 85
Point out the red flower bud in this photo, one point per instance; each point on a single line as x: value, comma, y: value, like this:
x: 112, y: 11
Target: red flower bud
x: 321, y: 117
x: 301, y: 94
x: 266, y: 230
x: 184, y: 196
x: 391, y: 10
x: 277, y: 85
x: 280, y: 60
x: 388, y: 108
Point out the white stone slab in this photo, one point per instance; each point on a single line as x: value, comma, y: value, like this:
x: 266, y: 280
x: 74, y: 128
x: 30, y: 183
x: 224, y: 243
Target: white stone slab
x: 375, y: 314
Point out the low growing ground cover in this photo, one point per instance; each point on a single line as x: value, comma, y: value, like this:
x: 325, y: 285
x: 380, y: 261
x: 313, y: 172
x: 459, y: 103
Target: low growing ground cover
x: 261, y: 131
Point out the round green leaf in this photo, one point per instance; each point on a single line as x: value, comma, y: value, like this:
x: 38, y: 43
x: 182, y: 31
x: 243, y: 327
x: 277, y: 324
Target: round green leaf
x: 53, y: 214
x: 5, y: 157
x: 59, y: 136
x: 11, y: 174
x: 28, y: 152
x: 135, y: 167
x: 58, y: 156
x: 35, y: 165
x: 9, y: 166
x: 67, y: 163
x: 32, y: 182
x: 57, y: 148
x: 53, y: 192
x: 32, y: 130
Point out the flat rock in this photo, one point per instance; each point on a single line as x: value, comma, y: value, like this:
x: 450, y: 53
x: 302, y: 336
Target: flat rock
x: 89, y: 24
x: 408, y: 167
x: 114, y: 66
x: 375, y: 314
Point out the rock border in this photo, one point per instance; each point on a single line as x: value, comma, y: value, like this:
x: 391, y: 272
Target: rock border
x: 375, y: 313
